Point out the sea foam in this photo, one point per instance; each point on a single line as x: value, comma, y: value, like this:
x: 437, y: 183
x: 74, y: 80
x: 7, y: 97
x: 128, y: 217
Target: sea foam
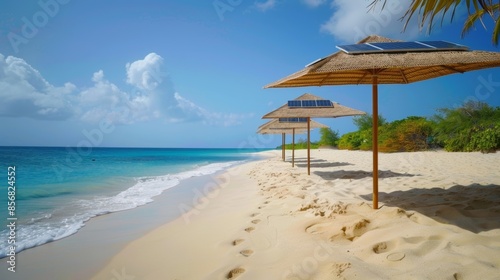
x: 68, y: 219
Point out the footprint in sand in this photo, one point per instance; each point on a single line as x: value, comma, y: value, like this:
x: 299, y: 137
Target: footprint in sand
x: 235, y: 273
x: 380, y: 248
x: 237, y: 241
x: 254, y: 215
x: 339, y: 268
x: 394, y: 257
x: 246, y: 253
x: 249, y: 229
x: 256, y: 221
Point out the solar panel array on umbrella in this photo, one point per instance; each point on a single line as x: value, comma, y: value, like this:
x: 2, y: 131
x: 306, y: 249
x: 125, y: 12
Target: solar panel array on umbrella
x: 309, y: 103
x: 292, y: 120
x: 389, y: 47
x: 287, y: 126
x: 302, y: 107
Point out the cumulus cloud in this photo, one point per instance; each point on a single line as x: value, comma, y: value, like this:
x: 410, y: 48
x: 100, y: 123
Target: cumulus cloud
x: 25, y: 93
x: 352, y: 21
x: 146, y: 73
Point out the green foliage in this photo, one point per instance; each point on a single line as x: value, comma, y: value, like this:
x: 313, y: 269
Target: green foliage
x: 407, y: 135
x: 475, y: 126
x: 359, y: 140
x: 410, y: 134
x: 300, y: 145
x: 472, y: 127
x: 364, y: 122
x: 487, y: 140
x: 328, y: 137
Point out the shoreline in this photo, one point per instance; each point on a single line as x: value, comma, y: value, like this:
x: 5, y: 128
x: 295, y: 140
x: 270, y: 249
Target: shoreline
x: 232, y: 200
x: 266, y: 220
x: 105, y: 235
x: 438, y: 219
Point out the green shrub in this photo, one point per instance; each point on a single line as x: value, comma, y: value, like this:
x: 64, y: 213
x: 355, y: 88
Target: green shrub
x: 350, y: 141
x: 484, y: 139
x: 472, y: 127
x: 408, y: 135
x: 328, y: 137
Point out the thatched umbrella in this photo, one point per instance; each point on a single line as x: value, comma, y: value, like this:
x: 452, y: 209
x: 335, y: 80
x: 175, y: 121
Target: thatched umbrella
x: 383, y: 67
x: 334, y: 110
x: 285, y: 125
x: 283, y: 132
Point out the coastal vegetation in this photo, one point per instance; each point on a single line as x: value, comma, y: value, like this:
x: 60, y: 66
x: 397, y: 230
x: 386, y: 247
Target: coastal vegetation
x: 474, y: 126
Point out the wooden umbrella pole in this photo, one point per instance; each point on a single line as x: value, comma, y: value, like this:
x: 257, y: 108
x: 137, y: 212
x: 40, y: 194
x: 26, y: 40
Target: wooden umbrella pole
x: 283, y: 146
x: 308, y: 146
x: 293, y: 147
x: 375, y: 139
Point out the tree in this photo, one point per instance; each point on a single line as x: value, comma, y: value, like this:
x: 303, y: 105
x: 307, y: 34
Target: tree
x: 328, y: 137
x: 364, y: 122
x: 428, y: 9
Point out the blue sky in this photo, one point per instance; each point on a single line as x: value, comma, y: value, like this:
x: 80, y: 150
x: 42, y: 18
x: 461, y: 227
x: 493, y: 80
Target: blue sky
x: 191, y: 73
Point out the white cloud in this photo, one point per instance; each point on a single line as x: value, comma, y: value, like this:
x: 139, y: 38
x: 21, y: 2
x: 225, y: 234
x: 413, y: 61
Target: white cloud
x: 25, y: 93
x: 266, y: 5
x: 146, y: 73
x: 352, y: 20
x: 194, y: 112
x: 105, y: 101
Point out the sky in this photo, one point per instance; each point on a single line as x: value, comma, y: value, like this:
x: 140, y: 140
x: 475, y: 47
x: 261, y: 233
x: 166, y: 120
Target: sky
x: 190, y: 73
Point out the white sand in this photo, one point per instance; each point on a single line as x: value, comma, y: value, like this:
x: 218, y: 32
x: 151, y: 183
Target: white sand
x: 439, y: 218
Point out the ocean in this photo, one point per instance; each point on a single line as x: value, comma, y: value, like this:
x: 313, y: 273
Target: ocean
x: 53, y: 191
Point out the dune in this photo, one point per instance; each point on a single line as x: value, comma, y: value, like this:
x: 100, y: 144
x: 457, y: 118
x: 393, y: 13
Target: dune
x: 439, y: 218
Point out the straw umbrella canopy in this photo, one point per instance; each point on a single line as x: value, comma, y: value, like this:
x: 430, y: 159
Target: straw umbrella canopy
x: 285, y: 126
x: 283, y: 132
x: 333, y: 111
x: 401, y: 67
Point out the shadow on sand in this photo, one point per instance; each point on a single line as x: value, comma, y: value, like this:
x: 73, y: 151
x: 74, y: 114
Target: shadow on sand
x: 324, y: 164
x: 304, y: 160
x: 358, y: 174
x: 475, y: 208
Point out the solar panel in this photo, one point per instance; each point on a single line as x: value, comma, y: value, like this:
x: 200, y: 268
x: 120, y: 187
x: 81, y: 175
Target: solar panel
x: 292, y: 120
x: 316, y: 61
x: 389, y: 47
x: 309, y: 103
x: 357, y: 48
x: 324, y: 103
x: 398, y: 46
x: 443, y: 45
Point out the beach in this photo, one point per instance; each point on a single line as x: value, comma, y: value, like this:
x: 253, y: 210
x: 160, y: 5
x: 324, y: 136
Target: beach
x: 438, y: 218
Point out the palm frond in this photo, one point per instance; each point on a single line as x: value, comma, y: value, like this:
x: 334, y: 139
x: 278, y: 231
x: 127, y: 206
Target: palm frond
x: 496, y: 30
x: 471, y: 20
x: 428, y: 10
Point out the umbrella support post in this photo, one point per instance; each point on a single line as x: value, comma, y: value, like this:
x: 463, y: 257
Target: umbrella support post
x: 308, y: 146
x: 283, y: 146
x: 375, y: 140
x: 293, y: 147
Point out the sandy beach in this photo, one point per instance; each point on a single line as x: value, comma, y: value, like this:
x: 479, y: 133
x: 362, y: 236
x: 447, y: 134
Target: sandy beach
x: 439, y: 218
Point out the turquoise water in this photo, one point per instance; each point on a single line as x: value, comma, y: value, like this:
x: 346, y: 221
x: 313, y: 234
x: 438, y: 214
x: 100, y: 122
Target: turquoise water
x: 59, y: 189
